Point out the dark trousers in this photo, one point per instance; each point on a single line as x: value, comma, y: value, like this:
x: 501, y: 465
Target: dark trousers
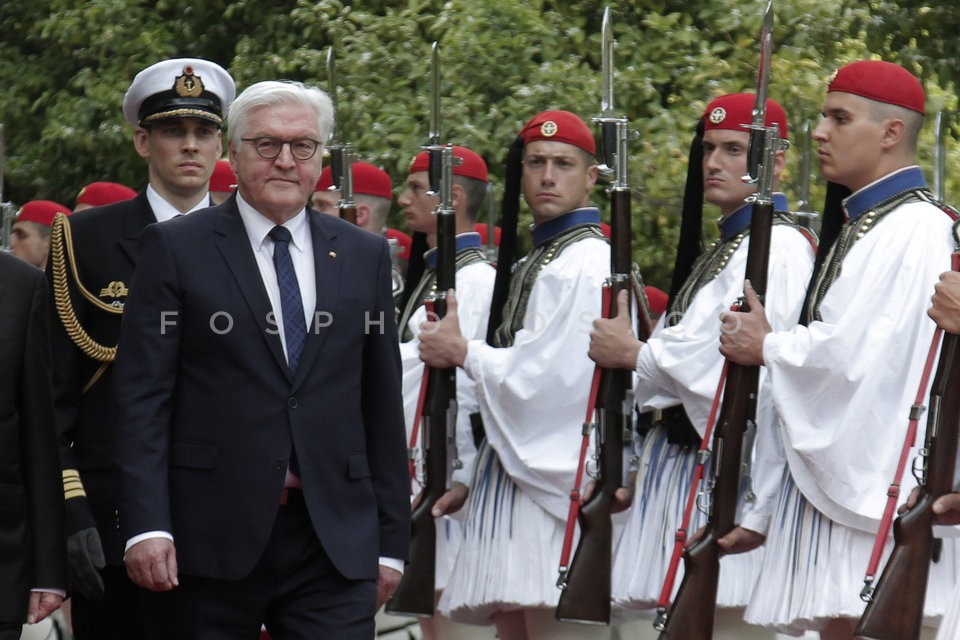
x: 294, y: 589
x: 122, y: 612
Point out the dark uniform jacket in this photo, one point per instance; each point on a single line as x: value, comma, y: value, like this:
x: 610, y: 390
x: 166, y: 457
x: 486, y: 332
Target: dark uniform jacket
x: 33, y: 550
x: 103, y: 250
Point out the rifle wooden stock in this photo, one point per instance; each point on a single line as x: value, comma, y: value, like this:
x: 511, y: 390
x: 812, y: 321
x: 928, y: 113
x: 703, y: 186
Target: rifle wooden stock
x: 694, y: 608
x: 895, y: 610
x: 586, y: 587
x: 693, y: 611
x: 415, y: 595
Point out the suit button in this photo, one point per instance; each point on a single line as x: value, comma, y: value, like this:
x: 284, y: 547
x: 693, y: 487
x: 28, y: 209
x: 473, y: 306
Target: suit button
x: 280, y: 464
x: 293, y: 403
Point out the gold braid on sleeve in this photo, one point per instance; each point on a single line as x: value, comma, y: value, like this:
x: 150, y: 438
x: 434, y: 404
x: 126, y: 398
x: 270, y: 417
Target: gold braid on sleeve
x: 61, y: 250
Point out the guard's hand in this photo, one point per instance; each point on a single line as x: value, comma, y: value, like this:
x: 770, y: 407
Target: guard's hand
x: 741, y: 540
x: 85, y: 553
x: 742, y: 333
x: 42, y: 604
x: 387, y: 583
x: 613, y: 344
x: 622, y: 497
x: 910, y: 503
x: 152, y: 564
x: 451, y: 501
x: 442, y: 344
x: 946, y: 302
x: 947, y: 509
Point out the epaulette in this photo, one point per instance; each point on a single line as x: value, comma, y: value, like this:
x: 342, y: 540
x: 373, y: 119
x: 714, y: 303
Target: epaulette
x: 62, y: 255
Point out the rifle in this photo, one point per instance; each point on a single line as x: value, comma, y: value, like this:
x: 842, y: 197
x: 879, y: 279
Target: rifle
x: 806, y: 216
x: 895, y: 605
x: 691, y: 617
x: 342, y: 155
x: 416, y: 591
x: 585, y: 583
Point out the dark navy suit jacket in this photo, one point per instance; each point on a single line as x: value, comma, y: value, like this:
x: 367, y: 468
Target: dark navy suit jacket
x: 207, y: 409
x: 33, y: 547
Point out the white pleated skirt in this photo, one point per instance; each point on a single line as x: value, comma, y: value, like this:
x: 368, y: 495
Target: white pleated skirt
x: 510, y: 552
x: 814, y: 568
x: 449, y: 537
x: 642, y: 557
x: 950, y: 627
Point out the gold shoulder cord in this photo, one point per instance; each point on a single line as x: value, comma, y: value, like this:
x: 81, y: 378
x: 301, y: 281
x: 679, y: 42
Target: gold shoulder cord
x: 60, y: 240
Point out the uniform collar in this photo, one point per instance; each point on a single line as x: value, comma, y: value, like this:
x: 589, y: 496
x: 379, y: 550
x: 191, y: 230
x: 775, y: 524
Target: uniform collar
x: 470, y: 240
x: 739, y: 220
x: 876, y: 192
x: 552, y: 228
x: 163, y: 210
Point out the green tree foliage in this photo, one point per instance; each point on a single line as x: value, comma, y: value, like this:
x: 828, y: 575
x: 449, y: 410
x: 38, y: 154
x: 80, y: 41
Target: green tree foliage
x: 65, y: 65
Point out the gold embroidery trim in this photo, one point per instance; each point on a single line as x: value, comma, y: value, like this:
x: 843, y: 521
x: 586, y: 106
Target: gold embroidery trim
x: 61, y: 251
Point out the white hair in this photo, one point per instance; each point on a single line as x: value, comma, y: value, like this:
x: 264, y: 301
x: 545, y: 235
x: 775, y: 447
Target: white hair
x: 272, y: 92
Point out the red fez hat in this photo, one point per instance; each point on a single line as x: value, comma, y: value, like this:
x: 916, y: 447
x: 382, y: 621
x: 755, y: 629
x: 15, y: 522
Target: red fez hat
x: 559, y: 126
x: 404, y: 241
x: 656, y: 298
x: 481, y: 228
x: 881, y: 81
x: 97, y: 194
x: 223, y: 178
x: 472, y: 166
x: 367, y: 179
x: 41, y: 212
x: 734, y: 111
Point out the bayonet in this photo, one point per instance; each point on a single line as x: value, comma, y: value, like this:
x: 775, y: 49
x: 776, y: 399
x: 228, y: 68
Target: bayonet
x: 806, y: 216
x: 608, y: 120
x: 755, y: 153
x: 332, y: 91
x: 342, y: 156
x: 607, y: 44
x: 435, y: 94
x: 7, y: 210
x: 491, y: 249
x: 803, y: 206
x: 939, y: 157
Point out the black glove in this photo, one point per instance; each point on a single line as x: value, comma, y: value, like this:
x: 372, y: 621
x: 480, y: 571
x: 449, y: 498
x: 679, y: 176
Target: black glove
x: 86, y: 556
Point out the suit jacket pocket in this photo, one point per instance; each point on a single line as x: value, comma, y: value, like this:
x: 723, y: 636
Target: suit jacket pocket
x: 357, y: 466
x: 195, y: 455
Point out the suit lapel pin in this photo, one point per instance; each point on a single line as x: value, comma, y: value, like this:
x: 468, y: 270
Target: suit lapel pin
x: 332, y: 254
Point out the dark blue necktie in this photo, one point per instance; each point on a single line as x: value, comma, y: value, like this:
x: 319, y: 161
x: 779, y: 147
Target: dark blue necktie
x: 291, y: 305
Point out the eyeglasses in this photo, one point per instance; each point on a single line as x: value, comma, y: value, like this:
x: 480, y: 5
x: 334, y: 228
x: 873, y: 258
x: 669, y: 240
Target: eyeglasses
x: 269, y: 148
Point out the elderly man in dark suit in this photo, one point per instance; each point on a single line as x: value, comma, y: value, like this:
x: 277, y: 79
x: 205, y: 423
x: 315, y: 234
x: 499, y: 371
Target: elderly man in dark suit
x: 176, y: 108
x: 257, y: 385
x: 33, y: 550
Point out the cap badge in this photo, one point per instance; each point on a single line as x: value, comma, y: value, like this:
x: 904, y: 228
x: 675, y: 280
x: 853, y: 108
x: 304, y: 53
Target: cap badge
x: 548, y: 129
x: 718, y: 115
x: 188, y: 85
